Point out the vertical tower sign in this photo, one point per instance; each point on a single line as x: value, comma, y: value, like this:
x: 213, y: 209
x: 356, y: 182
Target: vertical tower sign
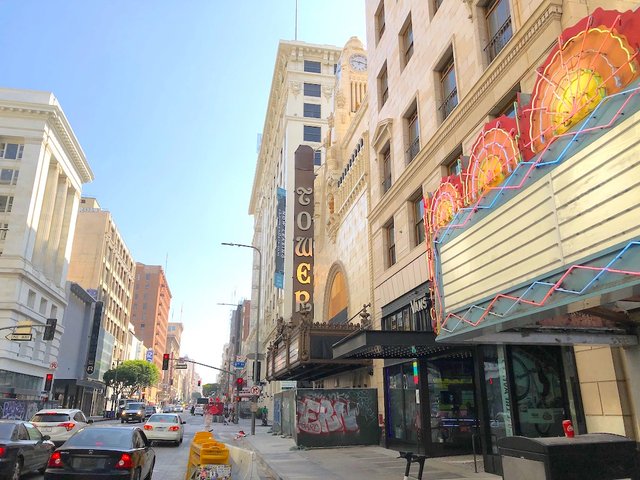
x: 281, y: 213
x: 303, y: 233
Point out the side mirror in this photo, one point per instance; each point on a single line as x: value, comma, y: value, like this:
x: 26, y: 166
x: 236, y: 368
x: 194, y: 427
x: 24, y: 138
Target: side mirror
x: 89, y: 421
x: 183, y: 422
x: 45, y: 438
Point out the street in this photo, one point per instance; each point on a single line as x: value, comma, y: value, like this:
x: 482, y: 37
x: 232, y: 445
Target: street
x: 171, y: 462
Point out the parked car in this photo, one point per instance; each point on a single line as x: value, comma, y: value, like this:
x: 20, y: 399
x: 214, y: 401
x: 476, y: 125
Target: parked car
x: 103, y: 452
x: 133, y: 412
x: 199, y: 410
x: 166, y: 427
x: 60, y: 423
x: 24, y: 449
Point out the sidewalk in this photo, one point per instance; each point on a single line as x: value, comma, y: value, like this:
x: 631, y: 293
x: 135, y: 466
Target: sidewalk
x: 283, y: 461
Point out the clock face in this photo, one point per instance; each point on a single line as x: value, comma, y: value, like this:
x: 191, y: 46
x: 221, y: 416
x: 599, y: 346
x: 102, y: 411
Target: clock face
x: 358, y: 62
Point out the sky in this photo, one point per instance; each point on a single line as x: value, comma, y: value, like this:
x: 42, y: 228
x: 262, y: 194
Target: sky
x: 166, y: 98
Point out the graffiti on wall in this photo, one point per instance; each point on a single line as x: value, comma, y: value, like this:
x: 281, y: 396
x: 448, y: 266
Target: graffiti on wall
x: 336, y: 417
x: 20, y: 409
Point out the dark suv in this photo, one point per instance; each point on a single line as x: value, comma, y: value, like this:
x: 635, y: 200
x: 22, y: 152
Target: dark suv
x: 133, y: 412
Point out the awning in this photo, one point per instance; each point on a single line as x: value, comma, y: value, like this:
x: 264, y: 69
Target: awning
x: 387, y: 344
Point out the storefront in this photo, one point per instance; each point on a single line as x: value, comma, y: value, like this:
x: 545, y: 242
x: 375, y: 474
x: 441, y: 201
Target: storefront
x: 451, y: 399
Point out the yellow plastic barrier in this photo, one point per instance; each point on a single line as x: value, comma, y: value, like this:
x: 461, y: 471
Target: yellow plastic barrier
x: 207, y: 454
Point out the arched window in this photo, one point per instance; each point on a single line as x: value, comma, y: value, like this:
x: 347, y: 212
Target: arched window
x: 337, y: 312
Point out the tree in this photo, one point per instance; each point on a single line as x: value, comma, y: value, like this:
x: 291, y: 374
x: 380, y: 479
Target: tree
x: 195, y: 396
x: 131, y: 376
x: 210, y: 389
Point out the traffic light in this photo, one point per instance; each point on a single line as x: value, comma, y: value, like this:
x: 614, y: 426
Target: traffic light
x: 48, y: 380
x: 165, y: 361
x: 239, y: 383
x: 199, y: 382
x: 50, y: 329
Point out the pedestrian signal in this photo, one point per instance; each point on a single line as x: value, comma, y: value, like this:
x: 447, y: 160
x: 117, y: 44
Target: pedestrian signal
x: 165, y: 361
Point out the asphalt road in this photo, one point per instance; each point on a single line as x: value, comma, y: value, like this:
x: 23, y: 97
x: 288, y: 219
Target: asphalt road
x: 171, y: 462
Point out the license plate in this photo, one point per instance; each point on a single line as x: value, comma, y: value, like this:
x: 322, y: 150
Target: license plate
x: 160, y: 429
x: 45, y: 429
x: 87, y: 463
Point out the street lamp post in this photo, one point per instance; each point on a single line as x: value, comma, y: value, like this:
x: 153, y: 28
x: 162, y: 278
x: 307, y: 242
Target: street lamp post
x: 255, y: 364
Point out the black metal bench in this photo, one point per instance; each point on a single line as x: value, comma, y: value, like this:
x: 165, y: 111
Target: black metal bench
x: 411, y: 457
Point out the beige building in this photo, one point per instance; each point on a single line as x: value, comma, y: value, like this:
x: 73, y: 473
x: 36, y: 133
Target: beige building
x: 102, y: 263
x: 297, y: 113
x: 439, y: 71
x: 173, y: 376
x: 42, y: 169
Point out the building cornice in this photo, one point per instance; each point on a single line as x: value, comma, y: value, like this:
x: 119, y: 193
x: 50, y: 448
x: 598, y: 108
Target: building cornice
x: 55, y: 117
x: 547, y: 12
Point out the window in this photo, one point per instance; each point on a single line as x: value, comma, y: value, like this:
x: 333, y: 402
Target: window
x: 418, y: 219
x: 407, y: 43
x: 11, y: 151
x: 380, y: 21
x: 498, y: 19
x: 317, y: 157
x: 312, y: 67
x: 6, y: 203
x: 312, y: 89
x: 4, y: 228
x: 448, y: 88
x: 413, y: 132
x: 31, y: 299
x: 312, y: 134
x: 383, y: 85
x: 386, y: 168
x: 311, y: 110
x: 391, y: 244
x: 43, y: 305
x: 8, y: 176
x: 452, y: 162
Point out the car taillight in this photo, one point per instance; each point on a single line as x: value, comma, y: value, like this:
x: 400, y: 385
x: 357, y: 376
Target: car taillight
x: 68, y: 425
x: 2, y: 451
x: 148, y: 427
x: 55, y: 460
x: 125, y: 461
x: 174, y: 428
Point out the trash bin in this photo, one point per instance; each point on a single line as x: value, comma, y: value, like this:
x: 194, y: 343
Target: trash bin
x: 594, y: 456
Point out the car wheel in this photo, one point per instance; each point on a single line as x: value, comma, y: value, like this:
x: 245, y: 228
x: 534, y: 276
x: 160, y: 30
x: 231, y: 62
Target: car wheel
x: 121, y: 421
x: 17, y: 469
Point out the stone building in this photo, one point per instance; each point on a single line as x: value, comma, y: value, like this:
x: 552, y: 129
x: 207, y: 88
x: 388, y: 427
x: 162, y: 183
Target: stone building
x: 42, y: 171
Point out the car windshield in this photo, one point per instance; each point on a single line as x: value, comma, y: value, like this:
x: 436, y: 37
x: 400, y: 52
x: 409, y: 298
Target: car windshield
x: 135, y: 406
x: 6, y: 429
x: 50, y: 417
x: 150, y: 409
x: 163, y: 419
x: 102, y: 437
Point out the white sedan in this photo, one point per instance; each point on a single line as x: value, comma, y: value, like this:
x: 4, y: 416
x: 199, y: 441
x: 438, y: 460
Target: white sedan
x: 165, y: 427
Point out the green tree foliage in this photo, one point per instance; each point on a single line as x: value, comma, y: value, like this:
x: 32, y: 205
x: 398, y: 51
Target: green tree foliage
x: 195, y: 396
x: 210, y: 389
x: 131, y: 376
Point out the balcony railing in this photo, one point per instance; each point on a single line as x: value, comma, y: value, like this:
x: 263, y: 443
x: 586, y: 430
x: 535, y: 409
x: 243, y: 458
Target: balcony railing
x: 449, y: 103
x: 499, y: 40
x: 386, y: 184
x: 413, y: 150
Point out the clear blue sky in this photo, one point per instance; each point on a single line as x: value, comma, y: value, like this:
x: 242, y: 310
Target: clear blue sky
x: 166, y: 98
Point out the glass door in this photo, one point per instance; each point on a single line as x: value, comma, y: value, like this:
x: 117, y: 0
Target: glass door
x: 402, y: 408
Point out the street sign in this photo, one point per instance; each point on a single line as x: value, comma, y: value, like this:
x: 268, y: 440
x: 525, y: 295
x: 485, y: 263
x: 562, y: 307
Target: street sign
x: 149, y: 355
x: 91, y: 364
x: 256, y: 390
x: 53, y: 365
x: 245, y: 392
x: 19, y: 337
x: 239, y: 364
x: 180, y: 366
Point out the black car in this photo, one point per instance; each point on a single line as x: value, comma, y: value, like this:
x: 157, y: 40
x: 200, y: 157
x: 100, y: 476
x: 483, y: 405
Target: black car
x: 133, y: 412
x: 103, y: 452
x: 22, y: 449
